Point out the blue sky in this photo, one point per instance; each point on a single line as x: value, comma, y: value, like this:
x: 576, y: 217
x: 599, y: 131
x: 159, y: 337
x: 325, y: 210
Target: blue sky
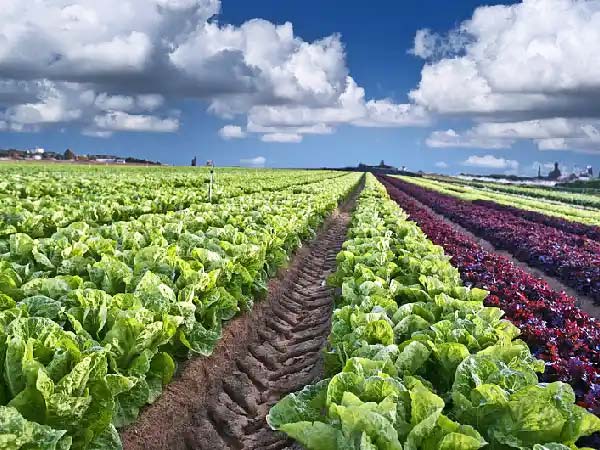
x: 376, y: 42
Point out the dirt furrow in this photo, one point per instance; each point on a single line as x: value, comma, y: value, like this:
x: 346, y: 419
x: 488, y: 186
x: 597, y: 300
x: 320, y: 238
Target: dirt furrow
x: 221, y: 402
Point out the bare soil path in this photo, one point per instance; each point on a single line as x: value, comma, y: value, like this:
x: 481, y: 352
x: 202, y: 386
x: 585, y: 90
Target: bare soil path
x: 221, y: 402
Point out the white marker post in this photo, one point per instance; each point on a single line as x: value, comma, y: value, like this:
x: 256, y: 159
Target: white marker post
x: 211, y: 164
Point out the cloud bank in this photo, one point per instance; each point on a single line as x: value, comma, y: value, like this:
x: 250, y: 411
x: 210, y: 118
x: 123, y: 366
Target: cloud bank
x: 232, y: 132
x: 121, y: 65
x: 524, y: 71
x: 257, y: 161
x: 491, y: 162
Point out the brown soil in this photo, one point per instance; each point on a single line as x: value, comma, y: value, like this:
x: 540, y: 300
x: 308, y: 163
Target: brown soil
x: 585, y: 303
x: 221, y: 402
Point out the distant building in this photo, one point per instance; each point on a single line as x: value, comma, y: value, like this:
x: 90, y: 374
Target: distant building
x: 556, y: 173
x: 382, y: 168
x: 586, y: 174
x: 194, y: 162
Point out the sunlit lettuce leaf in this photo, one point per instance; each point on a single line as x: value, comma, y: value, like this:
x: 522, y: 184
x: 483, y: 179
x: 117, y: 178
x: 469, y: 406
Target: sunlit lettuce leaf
x: 111, y: 275
x: 42, y: 306
x: 307, y: 405
x: 18, y: 432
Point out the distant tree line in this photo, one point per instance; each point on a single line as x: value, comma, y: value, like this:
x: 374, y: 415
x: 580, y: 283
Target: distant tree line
x: 70, y: 155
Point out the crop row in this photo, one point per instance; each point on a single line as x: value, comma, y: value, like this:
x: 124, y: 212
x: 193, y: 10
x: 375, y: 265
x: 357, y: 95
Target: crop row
x: 556, y: 330
x: 417, y: 362
x: 549, y: 193
x: 18, y: 181
x: 93, y: 319
x: 73, y: 249
x: 104, y: 198
x: 586, y: 216
x: 572, y: 258
x: 533, y: 210
x: 568, y: 226
x: 586, y: 186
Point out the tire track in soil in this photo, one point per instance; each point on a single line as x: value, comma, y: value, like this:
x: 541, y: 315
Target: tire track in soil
x: 221, y: 402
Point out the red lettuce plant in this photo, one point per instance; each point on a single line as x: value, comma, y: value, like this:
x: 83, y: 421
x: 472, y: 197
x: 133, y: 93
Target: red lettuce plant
x: 556, y: 330
x: 591, y: 231
x: 573, y: 258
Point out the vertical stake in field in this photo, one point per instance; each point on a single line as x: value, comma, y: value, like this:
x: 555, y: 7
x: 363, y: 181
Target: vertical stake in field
x: 211, y: 164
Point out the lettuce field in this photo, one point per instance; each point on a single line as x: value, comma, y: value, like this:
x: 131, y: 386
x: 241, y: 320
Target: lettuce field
x: 294, y: 309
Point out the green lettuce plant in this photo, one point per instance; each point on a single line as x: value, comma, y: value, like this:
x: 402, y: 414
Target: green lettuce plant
x: 416, y: 361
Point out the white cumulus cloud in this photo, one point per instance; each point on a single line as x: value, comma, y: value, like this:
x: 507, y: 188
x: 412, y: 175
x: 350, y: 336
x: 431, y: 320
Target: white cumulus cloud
x: 97, y: 133
x: 121, y: 121
x: 535, y: 58
x: 527, y: 70
x: 581, y: 135
x: 451, y: 139
x: 522, y: 71
x: 385, y: 113
x: 258, y: 161
x: 350, y: 107
x: 91, y: 63
x: 232, y: 132
x: 491, y: 162
x: 285, y: 138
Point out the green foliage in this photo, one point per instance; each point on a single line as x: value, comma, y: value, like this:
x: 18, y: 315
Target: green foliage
x: 416, y: 361
x: 574, y: 207
x: 94, y: 317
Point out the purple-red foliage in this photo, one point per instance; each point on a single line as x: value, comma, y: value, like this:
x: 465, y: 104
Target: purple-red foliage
x: 591, y: 231
x: 556, y: 330
x: 573, y: 258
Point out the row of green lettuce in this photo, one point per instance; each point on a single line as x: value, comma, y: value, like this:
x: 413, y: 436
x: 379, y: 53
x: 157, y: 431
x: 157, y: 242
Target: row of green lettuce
x: 415, y: 361
x: 38, y: 203
x: 548, y: 207
x: 93, y: 320
x: 543, y: 192
x: 61, y: 181
x: 104, y: 254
